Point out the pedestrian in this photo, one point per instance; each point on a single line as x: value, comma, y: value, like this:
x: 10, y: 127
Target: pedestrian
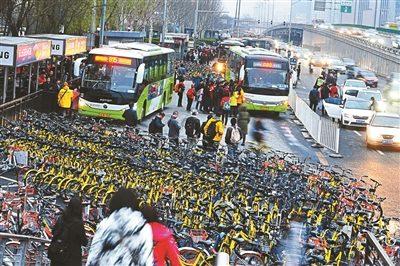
x: 64, y: 99
x: 258, y: 132
x: 243, y: 122
x: 298, y: 69
x: 75, y: 99
x: 165, y: 249
x: 324, y: 92
x: 46, y: 95
x: 192, y: 129
x: 199, y: 97
x: 156, y: 125
x: 179, y: 89
x: 124, y: 237
x: 206, y: 100
x: 333, y: 90
x: 373, y: 104
x: 214, y: 130
x: 190, y: 94
x: 233, y: 102
x: 206, y: 140
x: 233, y: 137
x: 68, y: 236
x: 225, y: 106
x: 130, y: 116
x: 181, y: 73
x: 240, y: 98
x: 320, y: 80
x: 174, y: 128
x: 58, y: 85
x: 313, y: 96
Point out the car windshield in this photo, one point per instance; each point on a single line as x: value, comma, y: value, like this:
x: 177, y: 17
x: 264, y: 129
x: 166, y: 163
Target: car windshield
x: 110, y: 77
x: 266, y: 78
x: 386, y: 121
x: 360, y: 105
x: 355, y: 83
x: 348, y: 61
x: 336, y: 62
x: 366, y: 95
x: 367, y: 74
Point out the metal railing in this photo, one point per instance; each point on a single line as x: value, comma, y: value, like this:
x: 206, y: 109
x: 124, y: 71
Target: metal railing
x: 375, y: 255
x: 14, y: 109
x: 322, y: 130
x: 21, y: 250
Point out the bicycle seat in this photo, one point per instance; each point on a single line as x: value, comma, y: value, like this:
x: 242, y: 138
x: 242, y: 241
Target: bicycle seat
x: 239, y: 240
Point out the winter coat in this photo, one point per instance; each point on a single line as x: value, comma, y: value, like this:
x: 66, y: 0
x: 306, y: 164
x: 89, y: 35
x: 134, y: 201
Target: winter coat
x: 234, y: 99
x: 74, y: 238
x: 65, y: 97
x: 156, y: 126
x: 228, y: 135
x: 174, y: 128
x: 123, y: 238
x: 75, y: 99
x: 243, y: 120
x: 165, y: 248
x: 219, y: 129
x: 240, y: 99
x: 130, y: 117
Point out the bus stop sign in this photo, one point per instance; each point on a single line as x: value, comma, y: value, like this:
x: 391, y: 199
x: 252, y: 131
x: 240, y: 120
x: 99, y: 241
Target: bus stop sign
x: 293, y: 61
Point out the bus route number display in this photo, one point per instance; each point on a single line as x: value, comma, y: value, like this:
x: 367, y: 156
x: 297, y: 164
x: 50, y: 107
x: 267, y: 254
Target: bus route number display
x: 267, y: 64
x: 113, y: 60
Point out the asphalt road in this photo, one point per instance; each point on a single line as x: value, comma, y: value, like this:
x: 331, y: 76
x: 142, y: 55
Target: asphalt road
x: 382, y: 165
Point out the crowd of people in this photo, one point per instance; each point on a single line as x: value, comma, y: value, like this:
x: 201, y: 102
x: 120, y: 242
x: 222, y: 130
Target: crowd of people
x: 325, y: 87
x: 130, y: 235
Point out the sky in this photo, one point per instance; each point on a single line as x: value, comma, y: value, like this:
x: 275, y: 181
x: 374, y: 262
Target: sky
x: 252, y: 8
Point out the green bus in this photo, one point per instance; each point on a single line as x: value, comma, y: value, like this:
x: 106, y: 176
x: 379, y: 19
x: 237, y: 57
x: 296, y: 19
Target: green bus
x: 265, y: 76
x: 122, y: 73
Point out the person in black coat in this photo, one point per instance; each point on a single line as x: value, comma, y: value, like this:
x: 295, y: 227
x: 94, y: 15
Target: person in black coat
x: 156, y: 125
x: 70, y: 230
x: 324, y: 94
x: 130, y: 116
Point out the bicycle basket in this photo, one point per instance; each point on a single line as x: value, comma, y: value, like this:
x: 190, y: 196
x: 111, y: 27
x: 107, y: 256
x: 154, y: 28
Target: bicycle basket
x: 198, y: 234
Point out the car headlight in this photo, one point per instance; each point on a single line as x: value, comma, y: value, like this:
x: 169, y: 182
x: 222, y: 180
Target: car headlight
x: 381, y: 41
x: 373, y: 134
x: 346, y: 115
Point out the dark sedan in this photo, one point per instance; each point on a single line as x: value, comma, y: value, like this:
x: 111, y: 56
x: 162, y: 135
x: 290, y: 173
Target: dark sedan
x: 368, y: 77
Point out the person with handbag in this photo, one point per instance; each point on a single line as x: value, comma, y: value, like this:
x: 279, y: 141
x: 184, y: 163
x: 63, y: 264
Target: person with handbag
x: 68, y: 236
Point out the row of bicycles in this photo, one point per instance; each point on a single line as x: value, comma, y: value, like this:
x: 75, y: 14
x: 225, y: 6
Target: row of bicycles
x: 246, y: 208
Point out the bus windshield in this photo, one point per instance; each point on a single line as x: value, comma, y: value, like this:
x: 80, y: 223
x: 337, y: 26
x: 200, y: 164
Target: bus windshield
x: 264, y: 78
x: 110, y: 77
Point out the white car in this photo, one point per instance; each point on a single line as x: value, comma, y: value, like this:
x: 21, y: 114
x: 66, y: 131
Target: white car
x: 368, y: 94
x: 356, y: 113
x: 384, y: 130
x: 351, y: 87
x: 337, y: 65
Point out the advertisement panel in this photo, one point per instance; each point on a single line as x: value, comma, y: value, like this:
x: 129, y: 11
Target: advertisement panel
x: 75, y: 46
x: 32, y: 52
x: 6, y: 55
x: 57, y: 47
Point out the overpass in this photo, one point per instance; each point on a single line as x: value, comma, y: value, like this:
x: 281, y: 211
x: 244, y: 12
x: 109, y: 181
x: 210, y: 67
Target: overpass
x: 381, y: 59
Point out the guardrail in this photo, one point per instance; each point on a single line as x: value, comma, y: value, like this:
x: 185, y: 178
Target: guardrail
x: 322, y: 130
x: 15, y: 108
x: 375, y: 255
x: 22, y: 250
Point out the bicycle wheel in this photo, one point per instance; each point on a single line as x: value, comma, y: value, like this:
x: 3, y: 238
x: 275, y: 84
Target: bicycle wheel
x: 249, y: 258
x: 191, y: 257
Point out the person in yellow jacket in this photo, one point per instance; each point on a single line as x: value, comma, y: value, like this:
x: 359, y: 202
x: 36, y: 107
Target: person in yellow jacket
x: 214, y: 130
x: 233, y: 102
x: 65, y: 99
x: 240, y: 99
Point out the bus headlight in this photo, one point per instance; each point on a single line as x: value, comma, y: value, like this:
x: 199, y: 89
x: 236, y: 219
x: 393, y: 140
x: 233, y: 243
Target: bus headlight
x: 283, y: 102
x: 82, y: 103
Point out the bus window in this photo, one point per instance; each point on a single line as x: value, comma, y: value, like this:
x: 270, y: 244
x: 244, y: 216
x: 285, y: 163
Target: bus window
x: 170, y: 65
x: 165, y: 65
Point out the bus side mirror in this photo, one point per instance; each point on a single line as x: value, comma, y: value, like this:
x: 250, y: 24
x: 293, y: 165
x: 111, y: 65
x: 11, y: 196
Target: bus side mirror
x: 140, y: 73
x: 241, y: 73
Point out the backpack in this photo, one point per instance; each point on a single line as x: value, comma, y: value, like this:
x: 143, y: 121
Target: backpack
x: 235, y: 135
x: 313, y: 95
x: 226, y: 106
x: 189, y: 126
x: 58, y: 250
x: 212, y: 130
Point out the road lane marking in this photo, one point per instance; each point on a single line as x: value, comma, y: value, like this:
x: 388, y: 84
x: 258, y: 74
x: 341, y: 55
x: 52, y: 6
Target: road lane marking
x: 357, y: 133
x: 321, y: 158
x: 8, y: 179
x: 380, y: 152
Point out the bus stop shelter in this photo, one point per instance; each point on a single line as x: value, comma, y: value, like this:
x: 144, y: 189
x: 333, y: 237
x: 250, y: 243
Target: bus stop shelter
x: 17, y: 55
x: 63, y: 49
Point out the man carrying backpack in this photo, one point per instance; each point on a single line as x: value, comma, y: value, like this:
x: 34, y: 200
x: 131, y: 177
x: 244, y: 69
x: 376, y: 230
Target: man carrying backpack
x: 192, y: 128
x: 233, y: 137
x: 214, y: 129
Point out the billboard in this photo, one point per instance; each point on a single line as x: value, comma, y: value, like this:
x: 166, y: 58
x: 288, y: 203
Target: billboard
x: 32, y: 52
x: 75, y: 45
